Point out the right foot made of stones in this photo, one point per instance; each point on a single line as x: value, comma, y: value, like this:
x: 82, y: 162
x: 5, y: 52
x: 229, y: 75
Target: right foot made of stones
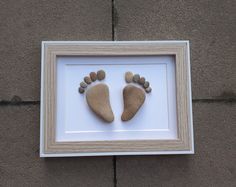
x: 97, y: 96
x: 134, y: 96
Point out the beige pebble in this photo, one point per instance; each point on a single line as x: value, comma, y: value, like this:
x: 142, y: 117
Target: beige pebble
x: 128, y: 77
x: 141, y: 81
x: 93, y: 76
x: 136, y: 78
x: 148, y: 90
x: 83, y: 85
x: 101, y: 75
x: 146, y: 84
x: 134, y: 98
x: 87, y: 80
x: 99, y: 101
x: 81, y: 90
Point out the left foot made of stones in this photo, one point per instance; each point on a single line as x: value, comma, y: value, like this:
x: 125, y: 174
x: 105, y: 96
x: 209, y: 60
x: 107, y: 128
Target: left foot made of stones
x: 97, y: 96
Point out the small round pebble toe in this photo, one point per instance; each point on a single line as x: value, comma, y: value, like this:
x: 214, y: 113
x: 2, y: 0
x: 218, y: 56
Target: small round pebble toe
x: 136, y: 78
x: 93, y: 76
x: 148, y: 90
x: 128, y: 77
x: 83, y: 85
x: 101, y: 75
x: 146, y: 84
x: 81, y: 90
x: 141, y: 81
x: 87, y: 80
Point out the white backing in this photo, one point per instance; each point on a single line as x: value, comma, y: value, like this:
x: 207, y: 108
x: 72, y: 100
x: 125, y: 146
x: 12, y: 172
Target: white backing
x: 155, y: 120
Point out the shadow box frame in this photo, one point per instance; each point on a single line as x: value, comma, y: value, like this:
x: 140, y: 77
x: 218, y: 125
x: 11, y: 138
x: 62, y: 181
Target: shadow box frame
x: 49, y: 147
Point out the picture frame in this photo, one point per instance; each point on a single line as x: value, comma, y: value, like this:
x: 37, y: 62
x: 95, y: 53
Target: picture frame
x: 179, y: 51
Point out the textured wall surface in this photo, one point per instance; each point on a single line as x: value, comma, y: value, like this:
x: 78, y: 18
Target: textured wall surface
x: 209, y: 25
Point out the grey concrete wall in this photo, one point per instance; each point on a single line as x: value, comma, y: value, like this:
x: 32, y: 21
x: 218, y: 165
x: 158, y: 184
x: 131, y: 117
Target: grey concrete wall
x: 209, y: 25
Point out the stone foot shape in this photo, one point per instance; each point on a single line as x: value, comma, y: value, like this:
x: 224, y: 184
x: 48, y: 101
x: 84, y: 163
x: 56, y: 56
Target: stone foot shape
x: 97, y: 96
x: 133, y: 96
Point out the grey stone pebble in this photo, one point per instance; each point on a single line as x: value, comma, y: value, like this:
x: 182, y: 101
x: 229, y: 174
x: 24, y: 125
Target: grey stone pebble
x: 128, y: 77
x: 101, y: 75
x: 148, y: 90
x: 81, y: 90
x: 93, y: 76
x: 83, y: 85
x: 141, y: 81
x: 87, y: 80
x: 136, y: 78
x: 146, y: 84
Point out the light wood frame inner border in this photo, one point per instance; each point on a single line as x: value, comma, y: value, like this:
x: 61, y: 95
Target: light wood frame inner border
x: 49, y: 106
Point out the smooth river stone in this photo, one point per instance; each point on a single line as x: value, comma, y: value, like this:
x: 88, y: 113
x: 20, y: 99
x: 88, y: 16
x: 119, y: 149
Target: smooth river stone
x: 128, y: 77
x: 134, y: 98
x: 81, y: 90
x: 93, y: 76
x: 136, y: 78
x: 141, y: 81
x: 146, y: 84
x: 99, y: 102
x: 148, y: 90
x: 87, y: 80
x: 83, y: 85
x: 101, y: 75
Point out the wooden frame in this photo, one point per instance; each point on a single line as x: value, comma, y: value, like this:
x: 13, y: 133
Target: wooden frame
x: 182, y: 145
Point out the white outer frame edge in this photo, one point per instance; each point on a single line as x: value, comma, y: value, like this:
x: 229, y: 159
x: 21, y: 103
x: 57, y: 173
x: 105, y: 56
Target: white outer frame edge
x: 41, y: 101
x: 42, y: 154
x: 190, y: 97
